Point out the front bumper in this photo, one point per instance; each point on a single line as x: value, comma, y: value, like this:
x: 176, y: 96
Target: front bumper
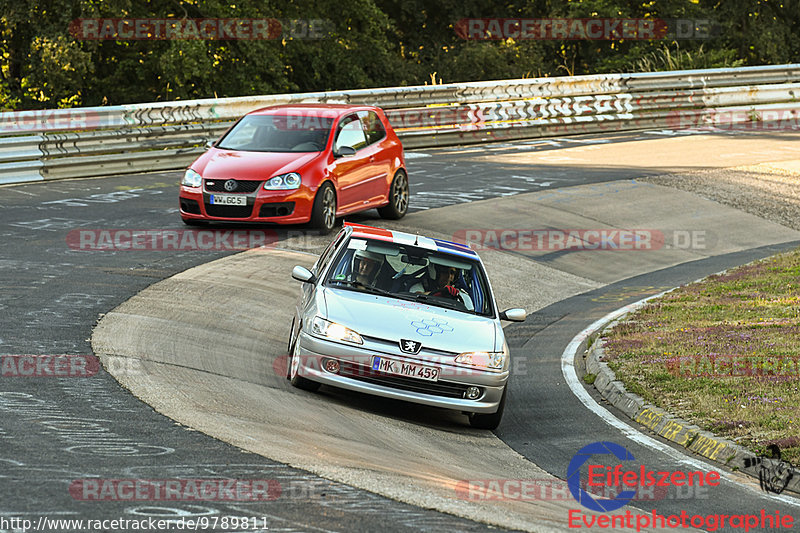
x: 356, y: 374
x: 279, y: 207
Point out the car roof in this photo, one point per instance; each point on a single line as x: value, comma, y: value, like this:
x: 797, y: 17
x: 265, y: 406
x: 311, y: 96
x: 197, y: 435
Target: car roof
x: 400, y: 237
x: 332, y: 110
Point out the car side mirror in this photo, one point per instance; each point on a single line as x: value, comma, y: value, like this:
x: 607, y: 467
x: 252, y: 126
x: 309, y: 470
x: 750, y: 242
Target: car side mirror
x: 303, y: 274
x: 513, y: 315
x: 210, y: 144
x: 344, y: 151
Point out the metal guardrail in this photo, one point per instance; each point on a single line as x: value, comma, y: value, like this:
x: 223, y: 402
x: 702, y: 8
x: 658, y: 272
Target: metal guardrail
x: 99, y: 141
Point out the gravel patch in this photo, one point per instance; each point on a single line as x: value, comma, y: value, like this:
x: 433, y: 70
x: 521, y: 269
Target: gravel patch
x: 770, y: 190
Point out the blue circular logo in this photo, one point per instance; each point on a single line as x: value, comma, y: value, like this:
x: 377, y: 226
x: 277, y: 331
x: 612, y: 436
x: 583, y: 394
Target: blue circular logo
x: 574, y: 476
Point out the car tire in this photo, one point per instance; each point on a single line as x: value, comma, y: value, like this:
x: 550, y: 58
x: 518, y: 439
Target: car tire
x: 398, y: 198
x: 192, y: 222
x: 294, y: 378
x: 323, y: 213
x: 489, y: 421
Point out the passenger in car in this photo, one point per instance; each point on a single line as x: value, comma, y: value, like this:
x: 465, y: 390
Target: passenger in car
x: 443, y: 284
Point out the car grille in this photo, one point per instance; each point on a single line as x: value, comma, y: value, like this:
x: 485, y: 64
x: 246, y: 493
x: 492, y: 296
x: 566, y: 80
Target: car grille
x: 368, y: 375
x: 229, y: 211
x: 277, y: 209
x: 242, y: 186
x: 190, y: 206
x: 388, y: 345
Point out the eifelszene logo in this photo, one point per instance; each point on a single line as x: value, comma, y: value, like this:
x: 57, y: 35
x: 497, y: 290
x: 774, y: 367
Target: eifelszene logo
x: 616, y: 477
x: 574, y: 476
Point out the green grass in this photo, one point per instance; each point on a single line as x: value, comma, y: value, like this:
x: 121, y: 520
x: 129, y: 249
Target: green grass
x: 723, y: 353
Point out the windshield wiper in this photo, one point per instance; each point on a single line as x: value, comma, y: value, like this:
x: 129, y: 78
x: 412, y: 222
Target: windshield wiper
x: 436, y: 301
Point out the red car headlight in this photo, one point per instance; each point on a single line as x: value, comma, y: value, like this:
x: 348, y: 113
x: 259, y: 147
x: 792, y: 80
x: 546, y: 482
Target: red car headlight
x: 284, y: 181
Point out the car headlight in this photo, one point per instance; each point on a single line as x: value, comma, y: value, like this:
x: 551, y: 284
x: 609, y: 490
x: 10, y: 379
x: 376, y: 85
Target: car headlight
x: 484, y: 360
x: 284, y: 181
x: 191, y: 178
x: 334, y: 331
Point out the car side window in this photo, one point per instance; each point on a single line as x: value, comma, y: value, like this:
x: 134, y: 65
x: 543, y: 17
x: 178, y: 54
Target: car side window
x: 373, y: 126
x: 350, y: 133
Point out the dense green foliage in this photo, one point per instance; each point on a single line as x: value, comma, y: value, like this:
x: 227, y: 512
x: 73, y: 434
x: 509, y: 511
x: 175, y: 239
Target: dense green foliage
x: 366, y: 43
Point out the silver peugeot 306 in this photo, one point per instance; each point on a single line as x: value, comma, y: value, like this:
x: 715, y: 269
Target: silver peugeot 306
x: 402, y: 316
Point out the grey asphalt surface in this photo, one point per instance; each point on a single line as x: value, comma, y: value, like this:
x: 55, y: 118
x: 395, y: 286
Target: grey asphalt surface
x: 51, y: 296
x: 547, y: 424
x: 464, y: 174
x: 56, y: 431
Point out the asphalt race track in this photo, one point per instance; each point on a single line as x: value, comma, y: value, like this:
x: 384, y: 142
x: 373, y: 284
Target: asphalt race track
x: 358, y: 464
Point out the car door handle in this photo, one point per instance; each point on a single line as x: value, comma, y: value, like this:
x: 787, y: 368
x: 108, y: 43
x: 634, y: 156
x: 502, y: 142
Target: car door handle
x: 372, y: 159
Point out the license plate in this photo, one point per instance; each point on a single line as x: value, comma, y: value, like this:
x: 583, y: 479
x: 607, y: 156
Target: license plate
x: 403, y: 368
x: 224, y: 199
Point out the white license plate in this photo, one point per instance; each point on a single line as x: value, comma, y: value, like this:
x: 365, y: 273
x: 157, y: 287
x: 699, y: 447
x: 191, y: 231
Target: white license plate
x: 224, y: 199
x: 404, y: 368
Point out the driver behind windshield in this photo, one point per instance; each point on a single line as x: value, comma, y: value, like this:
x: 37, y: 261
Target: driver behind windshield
x: 366, y: 267
x: 443, y: 285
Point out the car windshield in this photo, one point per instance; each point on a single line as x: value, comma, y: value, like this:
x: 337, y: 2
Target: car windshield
x: 411, y: 273
x: 279, y: 133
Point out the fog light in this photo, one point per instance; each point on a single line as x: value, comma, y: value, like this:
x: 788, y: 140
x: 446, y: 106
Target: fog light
x: 331, y: 365
x: 473, y: 393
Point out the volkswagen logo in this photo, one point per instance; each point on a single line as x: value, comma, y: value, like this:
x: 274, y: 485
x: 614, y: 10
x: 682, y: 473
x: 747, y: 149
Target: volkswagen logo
x: 409, y: 346
x: 230, y: 185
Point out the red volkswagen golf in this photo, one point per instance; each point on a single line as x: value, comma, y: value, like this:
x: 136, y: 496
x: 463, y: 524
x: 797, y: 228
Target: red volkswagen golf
x: 296, y: 164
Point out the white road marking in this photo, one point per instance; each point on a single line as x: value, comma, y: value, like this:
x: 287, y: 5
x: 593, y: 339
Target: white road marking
x: 571, y: 377
x: 50, y: 224
x: 12, y: 189
x: 551, y: 142
x: 509, y: 188
x: 535, y: 181
x: 583, y: 141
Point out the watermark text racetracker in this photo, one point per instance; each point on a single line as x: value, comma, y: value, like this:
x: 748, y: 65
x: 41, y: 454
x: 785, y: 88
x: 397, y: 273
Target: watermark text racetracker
x: 237, y: 490
x: 201, y: 523
x: 557, y: 490
x: 196, y: 489
x: 365, y: 366
x: 46, y: 366
x: 126, y: 29
x: 170, y: 240
x: 734, y: 365
x: 593, y: 29
x: 26, y: 120
x: 612, y: 239
x: 774, y: 118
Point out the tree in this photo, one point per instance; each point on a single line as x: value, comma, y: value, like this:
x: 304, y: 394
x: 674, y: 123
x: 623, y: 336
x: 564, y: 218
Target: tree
x: 355, y: 44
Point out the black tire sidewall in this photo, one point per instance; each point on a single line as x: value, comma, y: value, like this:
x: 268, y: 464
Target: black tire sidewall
x: 390, y: 211
x: 486, y: 421
x: 317, y: 216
